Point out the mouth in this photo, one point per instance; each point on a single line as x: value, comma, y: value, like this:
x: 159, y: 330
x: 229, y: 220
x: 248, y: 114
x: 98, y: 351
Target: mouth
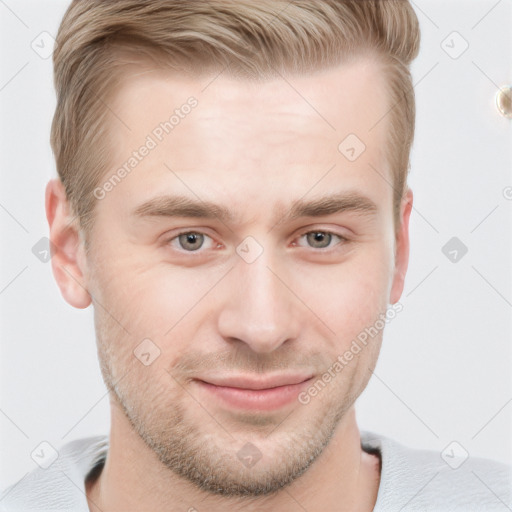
x: 265, y: 393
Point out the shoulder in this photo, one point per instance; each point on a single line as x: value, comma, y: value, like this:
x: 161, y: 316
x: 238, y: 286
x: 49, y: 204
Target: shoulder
x: 59, y: 485
x: 449, y: 480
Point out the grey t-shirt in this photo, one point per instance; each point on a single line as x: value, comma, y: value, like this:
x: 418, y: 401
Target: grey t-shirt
x: 411, y: 480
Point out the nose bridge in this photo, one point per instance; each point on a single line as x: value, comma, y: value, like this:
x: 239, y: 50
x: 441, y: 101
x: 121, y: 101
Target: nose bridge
x: 260, y: 310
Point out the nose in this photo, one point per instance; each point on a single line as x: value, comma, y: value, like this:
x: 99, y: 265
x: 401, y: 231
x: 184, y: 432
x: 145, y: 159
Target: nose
x: 260, y: 310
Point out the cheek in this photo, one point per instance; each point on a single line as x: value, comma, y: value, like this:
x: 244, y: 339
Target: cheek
x: 157, y: 301
x: 128, y: 283
x: 349, y: 296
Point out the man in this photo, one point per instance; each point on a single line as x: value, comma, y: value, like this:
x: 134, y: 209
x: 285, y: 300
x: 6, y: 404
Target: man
x: 232, y: 200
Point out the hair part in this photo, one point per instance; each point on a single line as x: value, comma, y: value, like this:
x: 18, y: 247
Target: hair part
x: 98, y: 41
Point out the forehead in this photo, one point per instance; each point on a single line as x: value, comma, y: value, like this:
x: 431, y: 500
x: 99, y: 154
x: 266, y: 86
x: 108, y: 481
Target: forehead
x: 348, y: 97
x: 285, y: 132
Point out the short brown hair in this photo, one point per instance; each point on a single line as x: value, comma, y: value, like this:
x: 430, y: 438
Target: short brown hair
x: 251, y: 38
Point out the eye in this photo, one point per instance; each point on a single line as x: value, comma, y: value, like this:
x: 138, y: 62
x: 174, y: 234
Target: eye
x: 191, y: 241
x: 321, y: 239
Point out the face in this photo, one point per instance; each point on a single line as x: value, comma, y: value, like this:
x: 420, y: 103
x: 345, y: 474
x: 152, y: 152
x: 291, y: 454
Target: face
x: 236, y: 261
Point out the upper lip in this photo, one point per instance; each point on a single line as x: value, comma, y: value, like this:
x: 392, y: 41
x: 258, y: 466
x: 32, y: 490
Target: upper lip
x: 255, y: 383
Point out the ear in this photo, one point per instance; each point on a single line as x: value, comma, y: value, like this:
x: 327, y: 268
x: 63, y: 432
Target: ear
x: 67, y: 252
x: 401, y: 248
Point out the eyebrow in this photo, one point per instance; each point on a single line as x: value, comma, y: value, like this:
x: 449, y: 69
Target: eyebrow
x: 329, y: 205
x: 182, y: 206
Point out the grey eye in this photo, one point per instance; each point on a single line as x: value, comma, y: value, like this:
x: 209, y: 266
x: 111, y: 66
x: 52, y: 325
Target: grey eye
x: 319, y: 239
x: 191, y: 241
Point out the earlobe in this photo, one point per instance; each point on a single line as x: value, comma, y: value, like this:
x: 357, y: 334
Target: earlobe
x: 67, y: 260
x: 402, y: 248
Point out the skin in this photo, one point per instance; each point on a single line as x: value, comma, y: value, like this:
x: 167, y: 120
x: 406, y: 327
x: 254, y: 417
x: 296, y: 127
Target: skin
x: 254, y: 148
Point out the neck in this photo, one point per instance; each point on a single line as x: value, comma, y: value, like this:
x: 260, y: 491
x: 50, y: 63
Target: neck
x: 343, y: 478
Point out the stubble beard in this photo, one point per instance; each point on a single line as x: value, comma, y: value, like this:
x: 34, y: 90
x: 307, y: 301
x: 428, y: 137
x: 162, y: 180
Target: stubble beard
x: 209, y: 460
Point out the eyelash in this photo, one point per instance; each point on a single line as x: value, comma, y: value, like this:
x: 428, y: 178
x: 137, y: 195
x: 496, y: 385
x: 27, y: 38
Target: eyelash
x: 343, y: 240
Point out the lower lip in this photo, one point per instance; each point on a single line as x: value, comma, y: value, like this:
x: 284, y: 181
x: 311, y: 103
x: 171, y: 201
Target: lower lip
x: 255, y: 399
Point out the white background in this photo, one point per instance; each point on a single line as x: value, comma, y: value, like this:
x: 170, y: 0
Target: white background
x: 445, y: 367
